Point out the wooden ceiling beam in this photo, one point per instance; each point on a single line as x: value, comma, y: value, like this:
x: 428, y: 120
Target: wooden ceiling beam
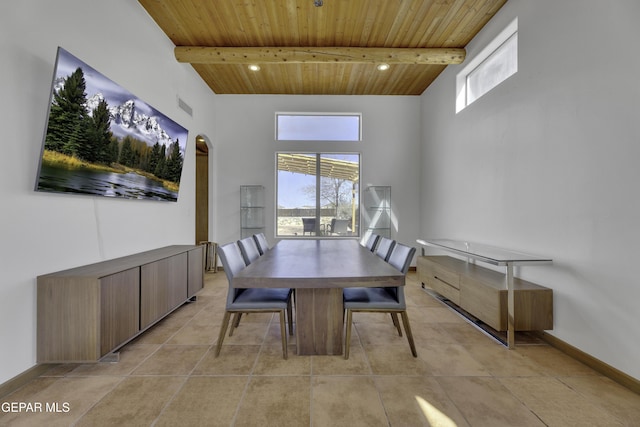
x: 318, y: 55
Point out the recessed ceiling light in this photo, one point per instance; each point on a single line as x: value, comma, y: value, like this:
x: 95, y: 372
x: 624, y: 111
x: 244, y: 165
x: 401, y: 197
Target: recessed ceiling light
x: 254, y: 67
x: 383, y: 67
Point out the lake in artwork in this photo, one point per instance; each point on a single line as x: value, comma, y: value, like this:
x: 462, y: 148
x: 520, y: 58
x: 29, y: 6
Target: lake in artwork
x: 127, y: 185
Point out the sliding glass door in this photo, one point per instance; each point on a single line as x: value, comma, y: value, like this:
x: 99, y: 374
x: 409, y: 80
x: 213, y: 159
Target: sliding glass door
x: 317, y: 194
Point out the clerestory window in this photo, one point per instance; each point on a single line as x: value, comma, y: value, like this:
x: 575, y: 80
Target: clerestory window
x: 493, y: 65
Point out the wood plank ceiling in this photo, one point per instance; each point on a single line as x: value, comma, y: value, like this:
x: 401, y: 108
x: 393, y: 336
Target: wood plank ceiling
x: 334, y: 49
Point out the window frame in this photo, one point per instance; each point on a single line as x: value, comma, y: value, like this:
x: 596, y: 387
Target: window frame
x: 510, y: 32
x: 318, y: 206
x: 312, y: 114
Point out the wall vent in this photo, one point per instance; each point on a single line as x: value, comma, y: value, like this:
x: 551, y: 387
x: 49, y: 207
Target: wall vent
x: 185, y: 107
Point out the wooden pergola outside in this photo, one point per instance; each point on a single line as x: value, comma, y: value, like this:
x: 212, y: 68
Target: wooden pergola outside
x: 329, y: 168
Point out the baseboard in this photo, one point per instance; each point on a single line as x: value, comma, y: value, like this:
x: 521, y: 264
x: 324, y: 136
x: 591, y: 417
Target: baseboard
x: 595, y: 364
x: 220, y: 268
x: 21, y: 379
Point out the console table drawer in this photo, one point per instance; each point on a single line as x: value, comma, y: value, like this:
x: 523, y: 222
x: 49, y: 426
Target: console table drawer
x: 445, y: 272
x: 482, y: 293
x: 484, y: 302
x: 444, y: 289
x: 444, y: 279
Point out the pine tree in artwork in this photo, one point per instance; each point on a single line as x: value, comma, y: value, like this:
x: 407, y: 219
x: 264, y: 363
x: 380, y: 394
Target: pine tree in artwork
x: 154, y: 158
x: 127, y: 156
x: 174, y: 163
x: 68, y: 115
x: 161, y: 167
x: 99, y: 136
x: 113, y: 150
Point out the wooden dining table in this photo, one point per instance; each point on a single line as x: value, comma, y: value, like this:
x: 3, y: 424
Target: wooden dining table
x: 318, y: 270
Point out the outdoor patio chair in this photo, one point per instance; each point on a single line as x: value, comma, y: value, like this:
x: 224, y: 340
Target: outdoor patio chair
x: 338, y: 226
x: 308, y: 225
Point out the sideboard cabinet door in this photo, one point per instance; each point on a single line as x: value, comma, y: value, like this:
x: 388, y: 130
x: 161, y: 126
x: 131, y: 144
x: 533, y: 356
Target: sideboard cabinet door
x: 163, y: 286
x: 119, y: 308
x: 196, y: 271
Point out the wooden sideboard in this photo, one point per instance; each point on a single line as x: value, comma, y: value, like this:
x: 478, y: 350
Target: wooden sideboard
x: 85, y: 313
x: 482, y: 293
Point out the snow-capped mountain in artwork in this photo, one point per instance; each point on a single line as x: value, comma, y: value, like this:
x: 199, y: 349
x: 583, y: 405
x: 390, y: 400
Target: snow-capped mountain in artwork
x: 130, y: 121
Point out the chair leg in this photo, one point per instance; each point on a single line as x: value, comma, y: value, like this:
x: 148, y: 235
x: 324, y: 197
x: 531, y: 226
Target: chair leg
x: 347, y: 340
x: 290, y: 316
x: 407, y: 329
x: 223, y: 331
x: 396, y: 323
x: 235, y: 323
x: 283, y: 333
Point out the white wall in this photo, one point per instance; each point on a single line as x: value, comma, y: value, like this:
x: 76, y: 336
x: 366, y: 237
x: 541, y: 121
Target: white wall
x: 39, y: 232
x: 547, y: 163
x: 390, y: 148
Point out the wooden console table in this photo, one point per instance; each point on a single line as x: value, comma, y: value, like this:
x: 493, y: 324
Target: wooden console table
x: 86, y: 313
x: 494, y: 256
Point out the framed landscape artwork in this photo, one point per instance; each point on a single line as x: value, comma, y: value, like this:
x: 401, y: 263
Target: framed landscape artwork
x: 102, y: 140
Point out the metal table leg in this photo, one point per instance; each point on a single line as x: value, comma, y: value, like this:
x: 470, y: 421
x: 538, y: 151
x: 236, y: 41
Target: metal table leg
x: 511, y: 323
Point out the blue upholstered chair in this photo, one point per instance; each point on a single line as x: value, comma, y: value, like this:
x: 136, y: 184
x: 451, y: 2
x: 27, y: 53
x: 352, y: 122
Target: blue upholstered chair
x: 371, y: 242
x: 249, y: 249
x: 250, y: 252
x: 261, y: 242
x: 251, y: 300
x: 384, y: 300
x: 384, y: 248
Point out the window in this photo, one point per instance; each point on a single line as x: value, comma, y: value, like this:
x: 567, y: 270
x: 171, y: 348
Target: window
x: 497, y: 62
x: 318, y: 127
x: 317, y: 194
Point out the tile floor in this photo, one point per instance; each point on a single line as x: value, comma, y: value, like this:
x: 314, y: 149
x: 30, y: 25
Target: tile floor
x: 169, y: 377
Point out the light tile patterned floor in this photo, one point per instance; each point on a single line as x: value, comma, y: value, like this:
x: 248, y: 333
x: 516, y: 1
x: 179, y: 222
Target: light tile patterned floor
x: 169, y: 377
